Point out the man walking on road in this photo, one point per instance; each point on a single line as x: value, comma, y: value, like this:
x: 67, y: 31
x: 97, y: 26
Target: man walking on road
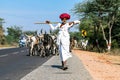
x: 63, y: 38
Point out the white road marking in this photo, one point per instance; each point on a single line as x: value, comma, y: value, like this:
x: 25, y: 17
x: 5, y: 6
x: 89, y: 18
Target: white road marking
x: 3, y: 55
x: 22, y: 51
x: 15, y: 53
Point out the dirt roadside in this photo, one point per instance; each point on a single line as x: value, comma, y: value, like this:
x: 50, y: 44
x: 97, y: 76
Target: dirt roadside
x: 7, y: 46
x: 100, y: 66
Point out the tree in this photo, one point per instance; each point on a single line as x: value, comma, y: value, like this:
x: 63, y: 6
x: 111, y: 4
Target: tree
x: 103, y: 14
x: 30, y: 32
x: 2, y: 36
x: 14, y: 33
x: 116, y: 33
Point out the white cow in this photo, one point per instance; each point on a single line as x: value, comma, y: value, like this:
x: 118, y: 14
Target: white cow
x: 32, y: 43
x: 84, y: 43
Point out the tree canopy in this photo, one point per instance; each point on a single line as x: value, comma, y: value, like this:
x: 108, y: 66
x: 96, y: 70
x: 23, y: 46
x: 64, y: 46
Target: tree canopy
x: 14, y: 33
x: 100, y: 18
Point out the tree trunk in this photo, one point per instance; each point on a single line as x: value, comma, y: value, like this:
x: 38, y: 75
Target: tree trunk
x: 110, y: 25
x: 103, y: 32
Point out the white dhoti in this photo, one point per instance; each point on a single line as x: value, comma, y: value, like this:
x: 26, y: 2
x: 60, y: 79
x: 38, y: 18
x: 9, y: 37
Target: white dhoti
x: 64, y: 43
x: 63, y: 39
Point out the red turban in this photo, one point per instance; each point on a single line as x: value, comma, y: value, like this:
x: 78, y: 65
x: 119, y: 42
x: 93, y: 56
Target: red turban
x: 64, y: 15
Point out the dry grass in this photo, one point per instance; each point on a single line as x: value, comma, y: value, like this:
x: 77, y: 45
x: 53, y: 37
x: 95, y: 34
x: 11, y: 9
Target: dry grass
x: 115, y: 52
x: 5, y: 46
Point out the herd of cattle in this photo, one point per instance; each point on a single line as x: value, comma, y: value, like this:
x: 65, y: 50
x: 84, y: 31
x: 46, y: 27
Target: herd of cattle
x: 45, y: 44
x: 41, y: 45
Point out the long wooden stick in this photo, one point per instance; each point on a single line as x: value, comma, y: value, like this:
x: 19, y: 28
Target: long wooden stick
x: 46, y: 23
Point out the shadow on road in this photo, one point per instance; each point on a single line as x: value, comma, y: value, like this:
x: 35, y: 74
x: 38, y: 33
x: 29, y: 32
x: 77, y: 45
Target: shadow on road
x: 57, y: 66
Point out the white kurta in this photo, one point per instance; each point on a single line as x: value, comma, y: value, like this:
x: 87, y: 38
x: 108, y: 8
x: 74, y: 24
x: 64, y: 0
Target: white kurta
x: 63, y: 40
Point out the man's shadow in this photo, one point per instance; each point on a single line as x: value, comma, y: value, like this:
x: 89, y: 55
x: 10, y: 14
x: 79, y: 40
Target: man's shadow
x: 57, y: 66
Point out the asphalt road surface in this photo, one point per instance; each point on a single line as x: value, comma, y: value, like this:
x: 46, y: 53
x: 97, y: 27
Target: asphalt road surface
x: 14, y: 63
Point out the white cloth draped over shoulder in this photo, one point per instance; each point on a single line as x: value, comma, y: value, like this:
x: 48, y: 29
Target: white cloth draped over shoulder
x: 63, y: 39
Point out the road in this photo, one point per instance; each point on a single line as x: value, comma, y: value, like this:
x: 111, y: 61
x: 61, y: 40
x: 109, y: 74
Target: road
x: 51, y: 70
x: 14, y: 64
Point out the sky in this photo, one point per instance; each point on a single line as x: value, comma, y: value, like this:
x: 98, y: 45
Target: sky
x: 25, y: 13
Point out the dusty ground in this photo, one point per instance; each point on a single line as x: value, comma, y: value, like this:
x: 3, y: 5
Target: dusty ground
x: 99, y: 65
